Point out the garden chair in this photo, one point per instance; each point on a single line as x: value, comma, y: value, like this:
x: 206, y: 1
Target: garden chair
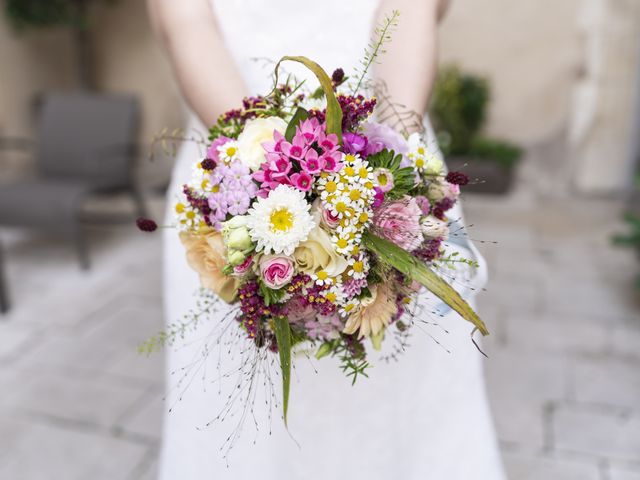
x: 85, y: 144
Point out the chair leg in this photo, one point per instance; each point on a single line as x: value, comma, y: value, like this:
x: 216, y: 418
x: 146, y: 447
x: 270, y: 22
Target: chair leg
x: 4, y: 296
x: 138, y: 198
x: 82, y: 248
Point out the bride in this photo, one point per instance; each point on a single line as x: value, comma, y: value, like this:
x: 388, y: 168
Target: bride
x: 422, y: 417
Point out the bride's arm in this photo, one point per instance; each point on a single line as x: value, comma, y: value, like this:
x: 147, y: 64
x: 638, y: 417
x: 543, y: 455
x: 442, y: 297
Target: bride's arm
x: 409, y: 66
x: 204, y: 69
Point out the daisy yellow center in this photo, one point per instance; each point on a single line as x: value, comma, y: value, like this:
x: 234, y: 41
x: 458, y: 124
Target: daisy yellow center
x: 341, y: 207
x: 231, y: 151
x: 322, y: 275
x: 342, y: 243
x: 364, y: 217
x: 331, y: 186
x: 358, y: 267
x: 420, y: 162
x: 331, y: 297
x: 349, y: 158
x: 179, y: 207
x: 363, y: 173
x: 421, y: 150
x: 354, y: 195
x: 349, y: 171
x: 281, y: 220
x: 191, y: 215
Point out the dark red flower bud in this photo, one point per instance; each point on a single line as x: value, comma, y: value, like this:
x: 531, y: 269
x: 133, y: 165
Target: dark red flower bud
x: 457, y: 178
x: 208, y: 164
x: 337, y: 76
x: 146, y: 224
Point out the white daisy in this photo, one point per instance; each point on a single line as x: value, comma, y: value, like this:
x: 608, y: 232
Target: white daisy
x: 281, y: 221
x: 227, y: 152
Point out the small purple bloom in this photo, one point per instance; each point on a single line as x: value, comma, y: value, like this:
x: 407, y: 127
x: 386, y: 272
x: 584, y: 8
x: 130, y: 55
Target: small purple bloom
x: 354, y: 143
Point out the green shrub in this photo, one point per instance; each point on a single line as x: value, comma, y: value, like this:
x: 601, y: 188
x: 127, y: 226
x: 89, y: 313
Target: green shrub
x: 459, y: 110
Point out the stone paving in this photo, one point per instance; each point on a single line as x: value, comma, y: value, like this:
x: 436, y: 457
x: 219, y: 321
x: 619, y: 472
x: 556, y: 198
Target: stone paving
x: 78, y: 402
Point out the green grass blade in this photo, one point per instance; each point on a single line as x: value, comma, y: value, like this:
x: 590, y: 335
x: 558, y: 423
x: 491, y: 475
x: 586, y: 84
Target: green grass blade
x: 283, y: 337
x: 334, y: 112
x: 413, y: 268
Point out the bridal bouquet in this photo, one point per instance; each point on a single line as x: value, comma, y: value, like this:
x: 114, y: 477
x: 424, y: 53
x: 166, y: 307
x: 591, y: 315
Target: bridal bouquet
x: 318, y: 223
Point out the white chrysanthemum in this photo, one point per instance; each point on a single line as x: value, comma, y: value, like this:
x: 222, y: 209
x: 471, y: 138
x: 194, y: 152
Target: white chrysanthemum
x: 281, y: 221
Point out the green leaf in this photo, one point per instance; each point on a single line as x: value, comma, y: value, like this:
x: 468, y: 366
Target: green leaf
x: 325, y: 349
x: 283, y: 337
x: 413, y: 268
x: 300, y: 115
x: 270, y: 295
x: 334, y: 112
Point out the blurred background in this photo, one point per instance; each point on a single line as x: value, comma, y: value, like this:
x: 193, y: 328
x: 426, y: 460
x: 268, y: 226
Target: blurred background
x: 539, y: 99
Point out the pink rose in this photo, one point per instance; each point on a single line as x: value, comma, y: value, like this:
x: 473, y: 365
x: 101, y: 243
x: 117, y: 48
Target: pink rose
x: 244, y: 266
x: 329, y: 219
x: 276, y: 270
x: 399, y: 222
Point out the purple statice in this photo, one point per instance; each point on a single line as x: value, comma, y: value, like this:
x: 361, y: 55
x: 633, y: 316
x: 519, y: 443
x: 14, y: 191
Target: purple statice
x: 353, y: 287
x: 198, y: 202
x: 429, y: 250
x: 442, y: 206
x: 252, y: 307
x: 355, y: 109
x: 324, y: 327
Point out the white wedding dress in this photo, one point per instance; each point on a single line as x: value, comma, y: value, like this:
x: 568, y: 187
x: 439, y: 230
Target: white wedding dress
x: 424, y: 416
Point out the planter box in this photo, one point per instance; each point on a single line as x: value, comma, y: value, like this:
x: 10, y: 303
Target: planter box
x: 486, y: 176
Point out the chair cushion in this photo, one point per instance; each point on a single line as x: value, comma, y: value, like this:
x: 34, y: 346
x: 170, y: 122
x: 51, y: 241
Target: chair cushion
x: 41, y: 203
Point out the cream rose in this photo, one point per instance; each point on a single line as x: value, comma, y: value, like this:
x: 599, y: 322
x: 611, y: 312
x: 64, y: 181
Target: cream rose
x: 206, y: 255
x: 317, y: 253
x: 255, y: 133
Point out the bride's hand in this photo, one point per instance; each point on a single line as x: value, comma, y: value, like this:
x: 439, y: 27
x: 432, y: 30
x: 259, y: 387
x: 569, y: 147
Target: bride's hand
x: 204, y: 68
x: 409, y: 66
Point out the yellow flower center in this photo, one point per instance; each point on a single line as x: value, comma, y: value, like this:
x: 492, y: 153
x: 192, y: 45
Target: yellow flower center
x: 349, y: 158
x: 342, y: 243
x: 331, y: 297
x: 179, y: 207
x: 364, y: 217
x: 355, y: 250
x: 231, y: 151
x: 331, y: 186
x: 349, y: 171
x: 421, y: 150
x: 354, y: 195
x: 281, y: 220
x: 382, y: 179
x: 191, y: 215
x: 322, y: 275
x: 358, y: 266
x: 363, y: 173
x: 341, y: 207
x: 215, y: 188
x: 368, y: 185
x: 420, y: 162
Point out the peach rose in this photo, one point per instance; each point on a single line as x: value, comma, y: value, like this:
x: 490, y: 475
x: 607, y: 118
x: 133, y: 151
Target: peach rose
x: 206, y: 255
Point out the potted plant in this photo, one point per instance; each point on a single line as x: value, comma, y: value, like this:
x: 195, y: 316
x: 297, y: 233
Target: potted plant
x: 458, y: 111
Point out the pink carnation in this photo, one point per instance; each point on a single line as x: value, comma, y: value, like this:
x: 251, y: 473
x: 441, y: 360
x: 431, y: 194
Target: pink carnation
x: 399, y: 222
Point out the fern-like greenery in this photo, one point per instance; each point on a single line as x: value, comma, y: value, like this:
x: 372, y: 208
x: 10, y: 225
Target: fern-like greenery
x: 375, y: 48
